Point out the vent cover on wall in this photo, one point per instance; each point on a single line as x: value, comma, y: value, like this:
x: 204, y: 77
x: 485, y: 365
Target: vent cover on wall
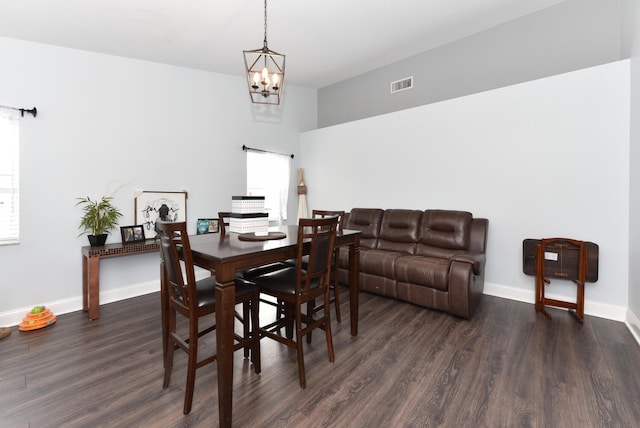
x: 402, y: 84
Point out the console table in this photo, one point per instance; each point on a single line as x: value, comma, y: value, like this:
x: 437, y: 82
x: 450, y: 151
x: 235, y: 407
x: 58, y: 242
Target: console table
x: 91, y: 269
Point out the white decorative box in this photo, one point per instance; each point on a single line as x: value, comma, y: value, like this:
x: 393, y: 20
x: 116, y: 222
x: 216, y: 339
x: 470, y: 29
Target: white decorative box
x: 257, y: 223
x: 247, y: 204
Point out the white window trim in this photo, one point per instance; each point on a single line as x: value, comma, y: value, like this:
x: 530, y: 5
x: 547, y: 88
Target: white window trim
x: 9, y: 177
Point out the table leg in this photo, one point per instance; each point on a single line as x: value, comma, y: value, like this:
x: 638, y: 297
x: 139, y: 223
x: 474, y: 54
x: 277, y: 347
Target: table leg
x: 580, y: 303
x: 354, y: 273
x: 93, y: 276
x: 225, y: 309
x: 85, y: 284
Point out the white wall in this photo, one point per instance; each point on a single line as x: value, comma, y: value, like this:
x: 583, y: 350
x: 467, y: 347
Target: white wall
x: 632, y: 12
x: 107, y: 121
x: 545, y: 158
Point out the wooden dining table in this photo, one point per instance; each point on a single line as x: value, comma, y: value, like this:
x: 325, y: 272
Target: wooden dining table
x: 226, y: 254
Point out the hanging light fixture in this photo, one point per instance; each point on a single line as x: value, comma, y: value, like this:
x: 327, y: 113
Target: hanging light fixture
x: 265, y: 71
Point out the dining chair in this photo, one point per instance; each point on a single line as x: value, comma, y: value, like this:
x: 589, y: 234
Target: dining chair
x: 223, y: 221
x: 297, y: 287
x: 334, y: 285
x: 194, y: 300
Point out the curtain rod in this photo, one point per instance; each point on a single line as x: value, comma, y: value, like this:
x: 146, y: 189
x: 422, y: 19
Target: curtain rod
x: 245, y: 148
x: 33, y: 111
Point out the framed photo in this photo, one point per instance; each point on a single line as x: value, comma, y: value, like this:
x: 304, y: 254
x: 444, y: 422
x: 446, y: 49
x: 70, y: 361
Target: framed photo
x: 207, y: 225
x: 151, y: 205
x: 132, y: 234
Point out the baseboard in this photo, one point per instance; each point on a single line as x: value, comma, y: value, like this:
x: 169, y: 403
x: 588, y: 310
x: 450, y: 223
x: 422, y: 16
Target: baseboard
x: 596, y: 309
x: 633, y: 324
x: 510, y: 293
x: 64, y: 306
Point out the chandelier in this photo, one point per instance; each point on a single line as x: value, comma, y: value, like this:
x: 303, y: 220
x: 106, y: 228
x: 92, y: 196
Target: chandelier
x: 265, y: 71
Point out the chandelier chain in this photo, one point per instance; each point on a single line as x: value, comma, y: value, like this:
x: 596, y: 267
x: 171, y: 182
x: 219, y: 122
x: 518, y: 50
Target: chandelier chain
x: 265, y: 23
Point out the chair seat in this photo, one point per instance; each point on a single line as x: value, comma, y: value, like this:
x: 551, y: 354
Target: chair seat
x: 206, y: 290
x: 282, y: 281
x: 261, y: 270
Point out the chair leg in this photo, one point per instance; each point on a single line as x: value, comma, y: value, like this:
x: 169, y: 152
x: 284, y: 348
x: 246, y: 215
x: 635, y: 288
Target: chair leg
x: 303, y: 380
x: 336, y: 298
x: 289, y: 316
x: 280, y: 310
x: 311, y: 309
x: 245, y: 325
x: 191, y: 366
x: 327, y: 326
x: 255, y: 335
x: 170, y: 347
x: 336, y: 286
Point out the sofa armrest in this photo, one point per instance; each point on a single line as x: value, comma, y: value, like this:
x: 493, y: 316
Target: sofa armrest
x: 476, y: 260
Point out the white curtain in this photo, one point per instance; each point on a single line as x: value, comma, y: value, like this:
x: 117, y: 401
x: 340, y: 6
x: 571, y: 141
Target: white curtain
x: 9, y: 162
x: 268, y: 176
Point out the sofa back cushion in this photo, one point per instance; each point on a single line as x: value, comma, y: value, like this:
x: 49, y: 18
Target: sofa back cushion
x: 443, y: 233
x: 399, y: 231
x: 366, y: 220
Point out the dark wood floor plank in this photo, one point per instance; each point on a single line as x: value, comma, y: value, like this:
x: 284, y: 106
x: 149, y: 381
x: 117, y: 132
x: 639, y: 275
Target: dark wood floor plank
x: 409, y: 367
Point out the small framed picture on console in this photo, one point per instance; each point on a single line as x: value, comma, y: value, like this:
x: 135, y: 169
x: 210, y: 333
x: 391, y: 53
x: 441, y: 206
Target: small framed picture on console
x: 132, y: 234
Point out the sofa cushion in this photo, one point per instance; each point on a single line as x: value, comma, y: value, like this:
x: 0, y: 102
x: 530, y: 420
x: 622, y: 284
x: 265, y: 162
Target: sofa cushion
x: 399, y: 231
x: 443, y: 233
x: 366, y: 220
x: 380, y: 263
x: 425, y: 271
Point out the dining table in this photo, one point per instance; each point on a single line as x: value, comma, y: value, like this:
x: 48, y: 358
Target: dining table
x: 226, y: 255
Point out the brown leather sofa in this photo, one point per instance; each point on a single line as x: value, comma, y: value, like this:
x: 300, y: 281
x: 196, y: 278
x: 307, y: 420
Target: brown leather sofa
x: 432, y: 258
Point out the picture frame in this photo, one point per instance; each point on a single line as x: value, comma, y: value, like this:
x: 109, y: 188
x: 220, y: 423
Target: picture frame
x: 207, y: 225
x: 132, y: 234
x: 150, y: 205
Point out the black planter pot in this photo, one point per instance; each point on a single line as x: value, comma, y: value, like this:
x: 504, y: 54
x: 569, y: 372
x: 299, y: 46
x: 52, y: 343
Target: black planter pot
x: 97, y: 240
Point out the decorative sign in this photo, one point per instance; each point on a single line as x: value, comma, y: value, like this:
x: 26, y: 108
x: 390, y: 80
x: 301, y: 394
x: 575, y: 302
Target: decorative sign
x: 151, y: 206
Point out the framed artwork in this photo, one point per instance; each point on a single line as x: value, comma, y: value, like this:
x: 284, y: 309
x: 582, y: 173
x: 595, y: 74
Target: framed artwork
x: 132, y: 234
x: 150, y: 206
x: 207, y: 225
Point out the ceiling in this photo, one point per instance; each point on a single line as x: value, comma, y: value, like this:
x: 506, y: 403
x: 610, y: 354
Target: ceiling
x: 326, y: 41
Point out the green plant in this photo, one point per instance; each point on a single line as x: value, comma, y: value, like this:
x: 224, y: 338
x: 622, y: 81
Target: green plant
x: 99, y: 216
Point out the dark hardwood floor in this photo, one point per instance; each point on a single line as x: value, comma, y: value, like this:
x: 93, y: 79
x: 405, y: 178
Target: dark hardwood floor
x: 408, y: 367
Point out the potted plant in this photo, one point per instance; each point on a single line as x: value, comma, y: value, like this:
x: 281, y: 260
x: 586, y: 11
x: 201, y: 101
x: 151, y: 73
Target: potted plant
x: 98, y: 219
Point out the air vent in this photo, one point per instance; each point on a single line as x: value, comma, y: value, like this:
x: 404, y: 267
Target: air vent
x: 402, y: 85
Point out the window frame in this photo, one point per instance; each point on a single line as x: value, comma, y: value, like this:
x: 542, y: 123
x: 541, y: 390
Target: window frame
x: 9, y: 176
x: 276, y: 172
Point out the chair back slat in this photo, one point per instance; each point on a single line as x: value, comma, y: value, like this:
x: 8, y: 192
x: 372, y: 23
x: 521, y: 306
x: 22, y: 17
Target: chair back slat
x: 326, y: 213
x: 223, y: 220
x: 180, y: 277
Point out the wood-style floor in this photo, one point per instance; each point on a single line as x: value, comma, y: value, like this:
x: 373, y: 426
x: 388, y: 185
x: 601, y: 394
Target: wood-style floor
x: 408, y: 367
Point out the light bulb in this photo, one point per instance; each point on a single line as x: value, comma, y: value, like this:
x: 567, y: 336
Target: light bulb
x: 256, y: 77
x: 275, y: 79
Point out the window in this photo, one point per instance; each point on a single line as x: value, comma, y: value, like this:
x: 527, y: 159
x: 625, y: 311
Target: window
x: 268, y: 176
x: 9, y: 151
